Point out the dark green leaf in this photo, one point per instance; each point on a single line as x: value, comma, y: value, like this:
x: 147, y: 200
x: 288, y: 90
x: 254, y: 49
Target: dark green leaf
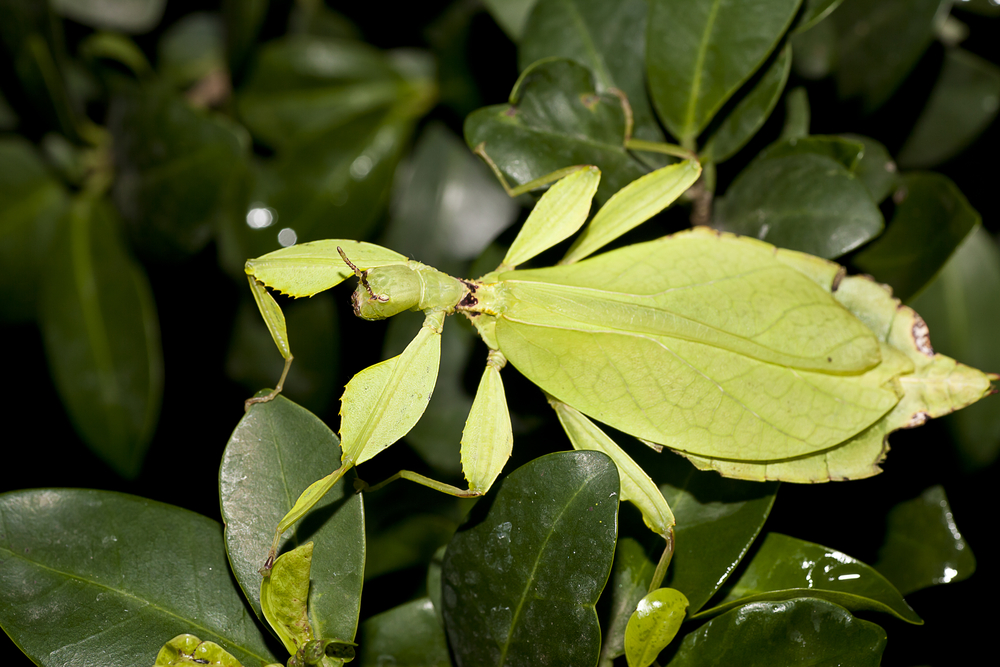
x: 785, y: 567
x: 876, y: 168
x: 100, y: 578
x: 556, y: 119
x: 511, y: 15
x: 631, y: 574
x: 959, y: 307
x: 243, y: 20
x: 804, y: 631
x: 848, y: 153
x: 35, y: 53
x: 608, y: 38
x: 923, y: 546
x: 521, y: 577
x: 192, y: 48
x: 254, y: 362
x: 178, y: 169
x: 802, y: 201
x: 717, y: 521
x: 813, y: 12
x: 303, y: 86
x: 815, y: 50
x: 932, y: 219
x: 102, y: 338
x: 276, y: 451
x: 701, y: 51
x: 750, y: 113
x: 31, y: 203
x: 797, y: 114
x: 963, y: 103
x: 879, y: 42
x: 409, y: 542
x: 133, y: 16
x: 406, y: 636
x: 315, y: 18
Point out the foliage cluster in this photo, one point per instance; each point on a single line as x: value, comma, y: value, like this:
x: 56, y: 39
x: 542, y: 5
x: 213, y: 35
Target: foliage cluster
x: 147, y: 149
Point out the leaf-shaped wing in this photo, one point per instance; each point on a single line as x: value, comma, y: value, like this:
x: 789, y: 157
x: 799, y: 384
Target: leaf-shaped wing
x: 703, y: 342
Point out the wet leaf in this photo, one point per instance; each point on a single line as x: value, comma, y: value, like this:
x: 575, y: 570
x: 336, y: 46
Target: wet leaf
x: 276, y: 451
x: 555, y: 119
x: 876, y: 168
x: 959, y: 307
x: 192, y: 48
x: 608, y: 38
x: 701, y: 51
x: 802, y: 631
x: 406, y: 636
x: 785, y: 567
x: 132, y: 16
x: 254, y: 362
x: 923, y: 546
x: 653, y: 625
x: 717, y: 521
x: 879, y: 42
x: 177, y: 169
x: 31, y: 203
x: 284, y: 597
x: 750, y: 112
x: 530, y: 563
x: 929, y: 223
x: 803, y: 201
x: 963, y: 103
x: 74, y: 563
x: 102, y: 337
x: 631, y: 574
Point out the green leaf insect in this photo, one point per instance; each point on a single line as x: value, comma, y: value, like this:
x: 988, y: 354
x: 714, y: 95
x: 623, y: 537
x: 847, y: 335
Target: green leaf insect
x: 745, y: 358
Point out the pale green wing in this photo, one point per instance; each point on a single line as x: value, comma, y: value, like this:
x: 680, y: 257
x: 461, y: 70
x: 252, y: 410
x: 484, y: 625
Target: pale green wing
x: 487, y: 439
x: 633, y: 205
x: 560, y: 212
x: 703, y: 342
x: 636, y: 486
x: 934, y: 385
x: 702, y: 286
x: 309, y: 268
x: 383, y: 402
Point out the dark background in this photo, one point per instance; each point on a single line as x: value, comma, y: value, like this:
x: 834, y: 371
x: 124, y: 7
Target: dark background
x: 201, y: 405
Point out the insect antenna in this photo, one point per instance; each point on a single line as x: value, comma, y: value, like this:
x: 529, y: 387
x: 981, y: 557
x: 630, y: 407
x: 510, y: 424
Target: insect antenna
x: 362, y: 276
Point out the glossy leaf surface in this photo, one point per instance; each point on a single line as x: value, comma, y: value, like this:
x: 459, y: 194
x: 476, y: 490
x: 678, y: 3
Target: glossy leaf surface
x: 31, y: 201
x: 178, y: 170
x: 749, y: 114
x: 876, y: 168
x: 75, y: 563
x: 505, y: 572
x: 801, y: 201
x: 932, y: 220
x: 653, y: 625
x: 608, y: 38
x: 959, y: 307
x: 878, y: 43
x: 406, y: 636
x: 556, y: 118
x: 785, y: 567
x: 801, y: 631
x: 963, y: 103
x: 277, y: 450
x: 700, y: 52
x: 102, y: 337
x: 923, y: 545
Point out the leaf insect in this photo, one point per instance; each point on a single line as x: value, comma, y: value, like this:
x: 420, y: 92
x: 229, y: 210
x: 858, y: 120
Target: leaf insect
x: 757, y: 362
